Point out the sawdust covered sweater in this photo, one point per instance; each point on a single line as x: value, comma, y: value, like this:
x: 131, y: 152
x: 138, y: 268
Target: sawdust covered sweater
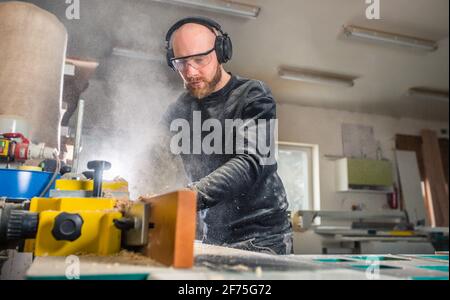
x: 241, y: 200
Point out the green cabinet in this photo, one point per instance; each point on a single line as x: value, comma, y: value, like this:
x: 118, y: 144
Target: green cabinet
x: 363, y: 174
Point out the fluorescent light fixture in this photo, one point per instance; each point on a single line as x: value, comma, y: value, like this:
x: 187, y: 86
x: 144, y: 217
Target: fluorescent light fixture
x: 316, y: 77
x: 390, y: 38
x: 220, y: 6
x: 133, y: 54
x: 428, y: 93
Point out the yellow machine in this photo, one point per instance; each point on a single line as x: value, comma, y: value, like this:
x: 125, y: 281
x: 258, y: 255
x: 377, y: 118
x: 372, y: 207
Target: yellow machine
x: 72, y: 225
x: 73, y: 221
x: 88, y: 185
x: 89, y: 217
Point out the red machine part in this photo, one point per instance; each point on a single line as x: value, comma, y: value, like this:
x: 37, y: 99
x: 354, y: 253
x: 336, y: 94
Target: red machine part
x: 19, y: 150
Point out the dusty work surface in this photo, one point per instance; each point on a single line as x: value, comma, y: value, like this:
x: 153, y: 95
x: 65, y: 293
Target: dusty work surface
x: 218, y: 263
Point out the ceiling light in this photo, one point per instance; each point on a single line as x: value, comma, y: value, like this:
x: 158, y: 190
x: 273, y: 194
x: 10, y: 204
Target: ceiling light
x: 219, y: 6
x: 316, y: 77
x: 389, y: 38
x: 428, y: 93
x: 133, y: 54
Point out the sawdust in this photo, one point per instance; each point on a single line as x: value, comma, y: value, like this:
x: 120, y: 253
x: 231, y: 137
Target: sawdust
x: 234, y: 268
x: 239, y: 268
x: 123, y: 204
x: 124, y: 257
x: 258, y: 272
x: 119, y: 179
x: 147, y: 197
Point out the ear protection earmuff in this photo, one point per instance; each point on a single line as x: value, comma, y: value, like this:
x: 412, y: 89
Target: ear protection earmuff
x: 223, y: 45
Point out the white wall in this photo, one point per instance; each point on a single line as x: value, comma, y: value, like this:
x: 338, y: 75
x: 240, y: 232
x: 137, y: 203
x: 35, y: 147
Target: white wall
x: 323, y: 127
x: 319, y: 126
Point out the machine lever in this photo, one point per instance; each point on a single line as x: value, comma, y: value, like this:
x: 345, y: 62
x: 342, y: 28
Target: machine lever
x: 124, y: 223
x: 98, y: 166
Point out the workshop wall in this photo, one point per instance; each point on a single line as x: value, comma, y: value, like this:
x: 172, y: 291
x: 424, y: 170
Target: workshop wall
x: 319, y: 126
x: 323, y: 127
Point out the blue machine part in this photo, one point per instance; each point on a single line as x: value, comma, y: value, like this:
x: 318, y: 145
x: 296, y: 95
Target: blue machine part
x: 17, y: 184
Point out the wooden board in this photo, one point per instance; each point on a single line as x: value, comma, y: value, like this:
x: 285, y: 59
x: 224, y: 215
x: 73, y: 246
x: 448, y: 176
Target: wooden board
x: 411, y: 185
x: 411, y: 143
x: 171, y: 241
x: 230, y: 264
x: 443, y: 145
x: 435, y: 185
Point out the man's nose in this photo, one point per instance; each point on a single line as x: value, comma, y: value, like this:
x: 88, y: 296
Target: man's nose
x: 190, y: 70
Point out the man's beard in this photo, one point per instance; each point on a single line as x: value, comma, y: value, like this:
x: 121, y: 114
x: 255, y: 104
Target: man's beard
x: 203, y: 92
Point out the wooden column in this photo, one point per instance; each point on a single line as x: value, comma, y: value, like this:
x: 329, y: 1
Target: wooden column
x: 435, y: 183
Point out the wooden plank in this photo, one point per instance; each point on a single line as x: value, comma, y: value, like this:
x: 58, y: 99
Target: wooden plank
x: 171, y: 240
x: 220, y: 263
x: 414, y: 202
x: 443, y: 145
x: 435, y: 183
x: 411, y: 143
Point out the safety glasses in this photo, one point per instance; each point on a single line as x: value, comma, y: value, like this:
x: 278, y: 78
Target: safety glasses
x: 196, y: 61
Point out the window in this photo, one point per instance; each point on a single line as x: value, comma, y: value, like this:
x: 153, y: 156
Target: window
x: 298, y: 169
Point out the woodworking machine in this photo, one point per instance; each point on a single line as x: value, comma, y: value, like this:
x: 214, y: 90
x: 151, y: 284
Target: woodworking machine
x: 89, y: 217
x: 370, y: 232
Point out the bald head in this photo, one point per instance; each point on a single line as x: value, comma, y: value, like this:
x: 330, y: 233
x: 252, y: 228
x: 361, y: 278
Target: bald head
x: 200, y: 79
x: 191, y: 39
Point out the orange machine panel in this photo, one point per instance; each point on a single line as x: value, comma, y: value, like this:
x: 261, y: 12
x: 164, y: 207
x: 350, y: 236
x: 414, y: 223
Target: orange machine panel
x: 173, y: 218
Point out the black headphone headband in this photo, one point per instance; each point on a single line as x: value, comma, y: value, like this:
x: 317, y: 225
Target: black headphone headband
x: 197, y: 20
x: 223, y: 45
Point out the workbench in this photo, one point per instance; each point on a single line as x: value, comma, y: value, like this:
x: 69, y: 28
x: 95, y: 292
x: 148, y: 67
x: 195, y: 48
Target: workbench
x: 218, y: 263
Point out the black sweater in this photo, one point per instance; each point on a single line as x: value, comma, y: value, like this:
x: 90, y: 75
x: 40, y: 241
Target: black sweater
x: 241, y: 197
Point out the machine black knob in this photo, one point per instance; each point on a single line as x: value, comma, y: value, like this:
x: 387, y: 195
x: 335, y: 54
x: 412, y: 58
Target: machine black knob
x: 89, y: 174
x: 67, y: 227
x: 65, y: 169
x: 98, y: 166
x: 22, y: 225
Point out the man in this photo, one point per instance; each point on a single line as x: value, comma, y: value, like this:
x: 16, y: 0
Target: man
x: 241, y: 198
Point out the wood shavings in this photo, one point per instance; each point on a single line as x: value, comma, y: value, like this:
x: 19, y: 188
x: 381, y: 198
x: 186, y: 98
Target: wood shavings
x: 145, y: 198
x: 239, y: 268
x: 124, y: 257
x: 119, y: 179
x: 123, y: 204
x: 224, y: 267
x: 258, y: 272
